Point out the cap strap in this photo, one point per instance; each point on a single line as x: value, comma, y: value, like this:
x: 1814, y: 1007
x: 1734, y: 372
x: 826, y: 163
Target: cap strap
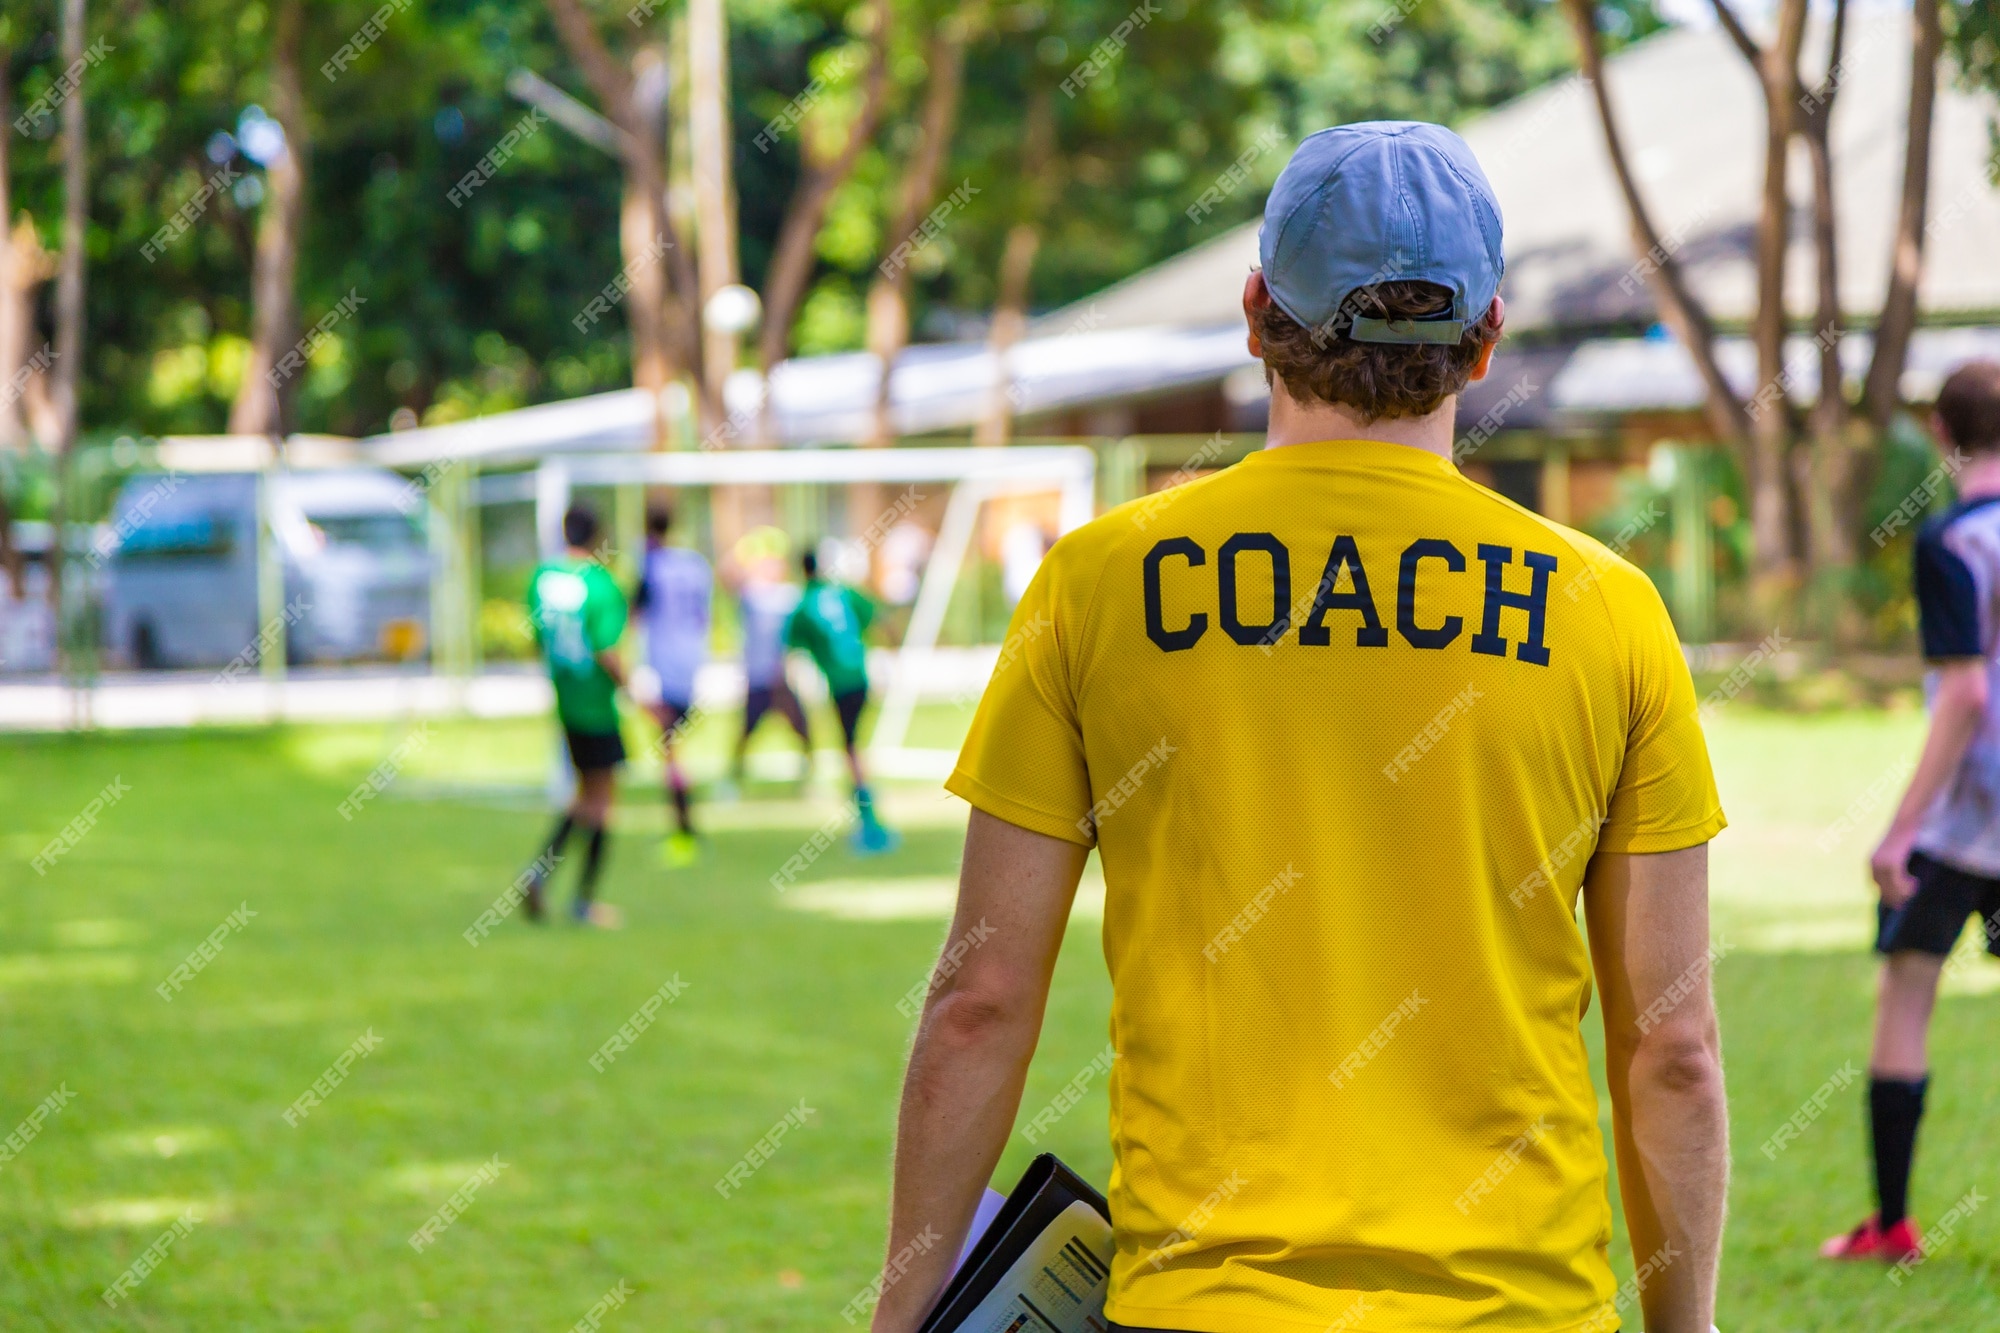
x: 1446, y: 331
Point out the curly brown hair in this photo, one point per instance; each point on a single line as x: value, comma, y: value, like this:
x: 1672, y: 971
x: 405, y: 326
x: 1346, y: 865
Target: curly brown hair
x: 1377, y: 380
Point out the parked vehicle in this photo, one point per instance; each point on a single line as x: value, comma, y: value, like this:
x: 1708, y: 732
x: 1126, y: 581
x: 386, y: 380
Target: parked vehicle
x: 182, y: 568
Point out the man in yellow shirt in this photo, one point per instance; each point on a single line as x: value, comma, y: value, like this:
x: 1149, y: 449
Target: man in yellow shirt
x: 1352, y: 736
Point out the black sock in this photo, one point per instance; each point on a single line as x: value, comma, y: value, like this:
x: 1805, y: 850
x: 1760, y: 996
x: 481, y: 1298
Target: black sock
x: 1894, y: 1107
x: 679, y: 793
x: 593, y: 860
x: 552, y: 852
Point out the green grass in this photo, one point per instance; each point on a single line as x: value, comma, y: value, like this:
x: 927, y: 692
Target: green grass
x: 610, y: 1175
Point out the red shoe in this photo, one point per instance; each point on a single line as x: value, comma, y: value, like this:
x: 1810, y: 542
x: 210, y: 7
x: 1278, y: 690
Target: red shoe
x: 1870, y: 1241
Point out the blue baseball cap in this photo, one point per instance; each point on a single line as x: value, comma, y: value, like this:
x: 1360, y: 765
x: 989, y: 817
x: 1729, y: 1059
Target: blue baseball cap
x: 1382, y: 201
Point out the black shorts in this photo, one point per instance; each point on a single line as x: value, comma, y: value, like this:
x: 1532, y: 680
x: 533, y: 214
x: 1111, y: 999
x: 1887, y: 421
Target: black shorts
x: 849, y: 706
x: 1931, y: 921
x: 592, y: 751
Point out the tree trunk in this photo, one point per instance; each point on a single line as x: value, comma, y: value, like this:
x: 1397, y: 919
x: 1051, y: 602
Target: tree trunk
x: 715, y: 196
x: 889, y: 293
x: 791, y: 267
x: 69, y: 299
x: 270, y: 376
x: 1882, y: 396
x: 1774, y: 562
x: 645, y: 232
x: 1679, y: 309
x: 1017, y: 266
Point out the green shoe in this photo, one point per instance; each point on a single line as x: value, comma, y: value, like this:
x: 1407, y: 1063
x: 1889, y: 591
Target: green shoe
x: 679, y: 851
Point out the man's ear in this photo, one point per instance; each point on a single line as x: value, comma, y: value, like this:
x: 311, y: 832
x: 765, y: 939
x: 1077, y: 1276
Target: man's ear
x: 1256, y: 300
x: 1496, y: 315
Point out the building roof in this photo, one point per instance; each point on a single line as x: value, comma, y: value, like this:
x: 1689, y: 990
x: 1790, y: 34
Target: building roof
x: 1691, y: 115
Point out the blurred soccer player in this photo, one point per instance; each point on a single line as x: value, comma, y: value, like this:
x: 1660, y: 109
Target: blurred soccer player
x: 765, y: 602
x: 674, y: 590
x: 1939, y: 863
x: 1353, y: 737
x: 578, y: 615
x: 827, y: 626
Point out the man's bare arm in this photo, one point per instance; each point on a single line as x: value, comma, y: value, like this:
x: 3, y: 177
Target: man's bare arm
x: 974, y: 1042
x: 1648, y: 921
x: 1957, y: 712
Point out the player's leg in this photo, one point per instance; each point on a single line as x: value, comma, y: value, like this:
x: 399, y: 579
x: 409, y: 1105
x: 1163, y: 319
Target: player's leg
x: 680, y: 848
x: 1915, y: 940
x: 870, y: 836
x: 788, y: 706
x: 757, y: 701
x: 596, y: 785
x: 542, y: 869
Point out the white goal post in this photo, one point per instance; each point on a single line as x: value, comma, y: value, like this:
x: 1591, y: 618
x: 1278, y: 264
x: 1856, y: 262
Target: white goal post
x: 975, y: 473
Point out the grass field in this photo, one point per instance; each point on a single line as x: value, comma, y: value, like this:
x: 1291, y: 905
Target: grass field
x: 609, y: 1175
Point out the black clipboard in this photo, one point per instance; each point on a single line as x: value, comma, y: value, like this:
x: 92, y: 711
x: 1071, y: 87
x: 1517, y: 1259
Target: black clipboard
x: 1079, y: 1267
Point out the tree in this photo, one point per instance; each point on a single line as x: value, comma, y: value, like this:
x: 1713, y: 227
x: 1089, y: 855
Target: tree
x: 1763, y: 432
x: 265, y: 388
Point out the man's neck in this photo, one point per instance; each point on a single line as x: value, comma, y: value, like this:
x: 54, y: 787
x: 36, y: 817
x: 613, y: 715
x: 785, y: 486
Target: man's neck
x: 1979, y: 479
x: 1293, y: 422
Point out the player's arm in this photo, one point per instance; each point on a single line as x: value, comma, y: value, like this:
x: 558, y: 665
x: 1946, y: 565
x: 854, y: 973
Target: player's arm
x: 1648, y: 921
x: 1957, y: 712
x: 974, y: 1041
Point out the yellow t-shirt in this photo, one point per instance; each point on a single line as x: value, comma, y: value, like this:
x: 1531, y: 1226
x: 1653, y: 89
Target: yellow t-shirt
x: 1345, y: 728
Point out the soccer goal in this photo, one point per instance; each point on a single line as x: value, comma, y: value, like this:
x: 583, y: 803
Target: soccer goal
x: 975, y: 476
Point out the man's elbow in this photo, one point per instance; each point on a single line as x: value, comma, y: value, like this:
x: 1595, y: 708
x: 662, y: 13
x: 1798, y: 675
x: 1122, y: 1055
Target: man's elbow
x: 968, y: 1016
x: 1679, y: 1061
